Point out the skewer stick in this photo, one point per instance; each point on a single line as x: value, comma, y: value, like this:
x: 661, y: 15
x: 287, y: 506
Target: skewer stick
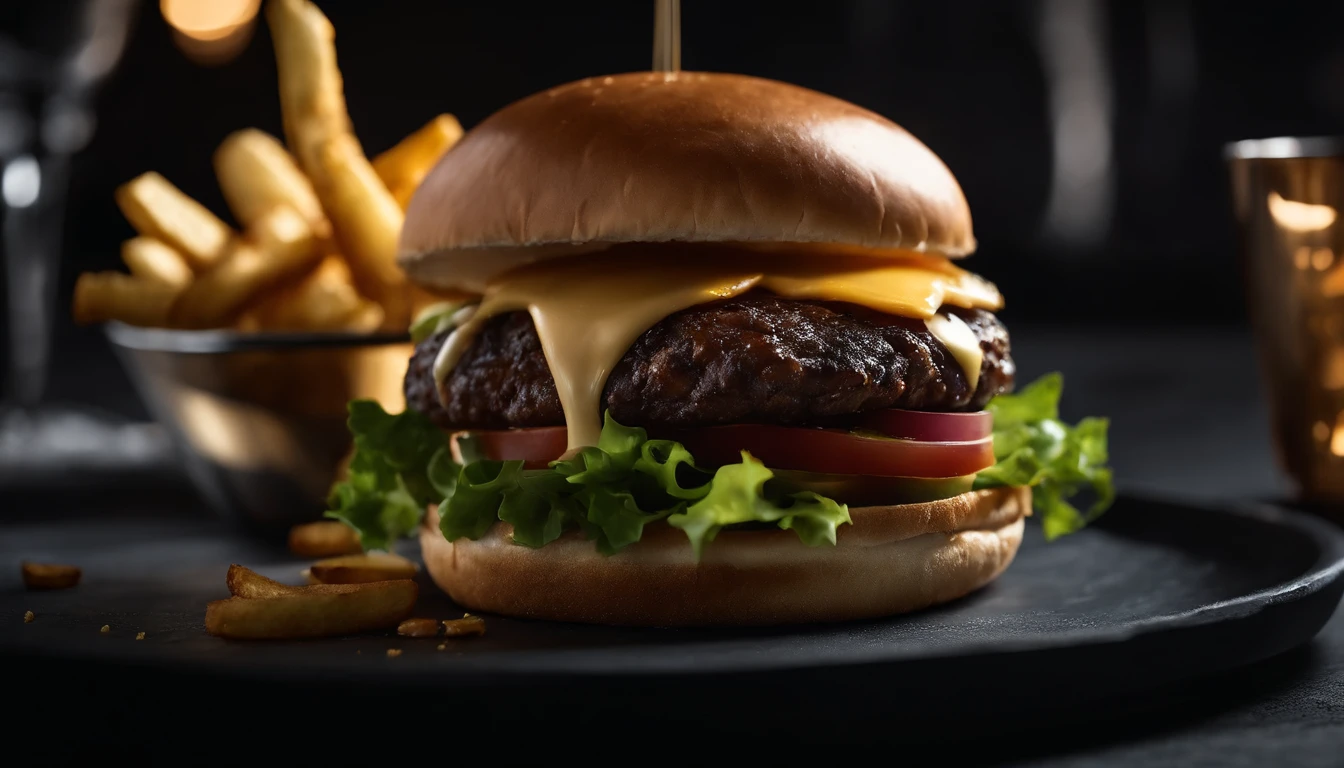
x: 667, y: 36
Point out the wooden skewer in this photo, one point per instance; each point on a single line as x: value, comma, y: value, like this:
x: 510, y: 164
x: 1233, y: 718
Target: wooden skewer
x: 667, y: 36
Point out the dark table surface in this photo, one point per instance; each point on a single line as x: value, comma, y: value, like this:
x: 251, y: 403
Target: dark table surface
x: 1188, y: 422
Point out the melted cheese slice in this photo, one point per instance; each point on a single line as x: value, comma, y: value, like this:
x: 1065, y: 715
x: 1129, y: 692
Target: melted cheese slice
x: 589, y: 311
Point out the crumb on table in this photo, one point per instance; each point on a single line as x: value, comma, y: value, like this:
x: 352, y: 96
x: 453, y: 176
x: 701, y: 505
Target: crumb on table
x: 392, y: 653
x: 105, y: 629
x: 139, y: 635
x: 28, y: 617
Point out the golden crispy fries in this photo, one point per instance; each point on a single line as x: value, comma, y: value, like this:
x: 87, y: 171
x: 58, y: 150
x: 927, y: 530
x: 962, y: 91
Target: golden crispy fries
x: 325, y: 300
x: 256, y: 173
x: 367, y: 222
x: 361, y: 569
x: 281, y: 249
x: 244, y: 582
x: 152, y: 261
x: 49, y: 576
x: 365, y: 218
x: 321, y: 611
x: 160, y: 210
x: 369, y: 318
x: 103, y: 296
x: 466, y: 626
x: 404, y: 166
x: 418, y: 628
x: 325, y: 538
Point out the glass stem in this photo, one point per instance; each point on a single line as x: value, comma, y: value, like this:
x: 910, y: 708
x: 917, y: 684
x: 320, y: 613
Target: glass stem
x: 35, y: 193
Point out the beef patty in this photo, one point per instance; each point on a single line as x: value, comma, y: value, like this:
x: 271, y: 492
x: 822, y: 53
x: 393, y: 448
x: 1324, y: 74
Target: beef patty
x: 756, y: 358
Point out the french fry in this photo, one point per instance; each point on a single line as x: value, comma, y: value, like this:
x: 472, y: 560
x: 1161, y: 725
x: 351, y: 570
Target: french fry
x: 160, y: 210
x: 325, y: 538
x: 321, y: 611
x: 404, y: 166
x: 464, y: 627
x: 362, y: 569
x: 367, y: 223
x: 152, y: 261
x: 280, y: 249
x: 245, y: 582
x: 366, y: 219
x: 325, y: 300
x: 418, y: 628
x: 369, y: 318
x: 103, y: 296
x: 256, y: 173
x: 49, y: 576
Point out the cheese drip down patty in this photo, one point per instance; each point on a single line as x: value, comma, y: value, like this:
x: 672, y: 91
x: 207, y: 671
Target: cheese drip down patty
x: 588, y: 313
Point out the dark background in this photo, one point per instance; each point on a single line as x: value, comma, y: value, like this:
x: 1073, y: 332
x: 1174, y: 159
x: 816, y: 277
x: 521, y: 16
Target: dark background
x: 972, y: 79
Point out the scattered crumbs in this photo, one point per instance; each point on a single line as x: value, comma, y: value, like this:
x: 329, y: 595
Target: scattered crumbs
x: 392, y: 653
x: 442, y: 646
x: 139, y: 635
x: 28, y: 617
x: 105, y: 629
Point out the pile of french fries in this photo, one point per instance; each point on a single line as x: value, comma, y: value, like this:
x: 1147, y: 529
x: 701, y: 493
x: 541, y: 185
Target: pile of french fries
x: 319, y: 220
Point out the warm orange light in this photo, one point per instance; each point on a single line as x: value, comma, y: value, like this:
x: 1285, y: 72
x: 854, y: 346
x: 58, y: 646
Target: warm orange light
x: 1337, y: 439
x: 1322, y: 258
x: 1300, y: 217
x: 210, y: 31
x: 208, y: 19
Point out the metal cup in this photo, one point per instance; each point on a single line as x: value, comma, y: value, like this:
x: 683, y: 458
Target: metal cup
x: 1288, y: 194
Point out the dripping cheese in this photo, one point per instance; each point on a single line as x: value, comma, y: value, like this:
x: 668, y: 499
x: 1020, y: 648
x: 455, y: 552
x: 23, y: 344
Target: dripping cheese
x: 589, y: 311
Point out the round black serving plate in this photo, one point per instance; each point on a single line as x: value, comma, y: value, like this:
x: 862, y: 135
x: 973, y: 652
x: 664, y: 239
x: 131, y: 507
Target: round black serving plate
x: 1156, y: 596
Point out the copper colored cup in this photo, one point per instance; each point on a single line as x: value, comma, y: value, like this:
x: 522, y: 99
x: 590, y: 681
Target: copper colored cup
x: 1289, y: 194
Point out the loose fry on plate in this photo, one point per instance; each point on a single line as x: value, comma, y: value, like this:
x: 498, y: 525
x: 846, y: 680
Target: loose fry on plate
x: 102, y: 296
x: 157, y: 208
x: 418, y: 628
x: 256, y: 173
x: 361, y: 569
x: 464, y: 627
x: 325, y: 538
x: 404, y: 166
x: 365, y: 218
x: 315, y: 612
x: 244, y: 582
x: 153, y: 261
x: 280, y: 249
x: 49, y: 576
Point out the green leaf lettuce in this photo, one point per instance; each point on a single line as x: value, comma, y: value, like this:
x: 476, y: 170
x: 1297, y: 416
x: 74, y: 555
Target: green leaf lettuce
x: 1032, y: 447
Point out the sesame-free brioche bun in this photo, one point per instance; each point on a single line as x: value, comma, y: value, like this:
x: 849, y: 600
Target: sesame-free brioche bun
x: 690, y: 157
x: 890, y: 560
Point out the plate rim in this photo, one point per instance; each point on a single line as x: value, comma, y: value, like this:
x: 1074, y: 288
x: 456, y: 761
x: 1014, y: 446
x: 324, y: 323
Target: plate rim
x: 731, y: 656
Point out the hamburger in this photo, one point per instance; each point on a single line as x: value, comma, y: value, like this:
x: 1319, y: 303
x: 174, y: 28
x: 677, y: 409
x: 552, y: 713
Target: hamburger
x: 710, y: 360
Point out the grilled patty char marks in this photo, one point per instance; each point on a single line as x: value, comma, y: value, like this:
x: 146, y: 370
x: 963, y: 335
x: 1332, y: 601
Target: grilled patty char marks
x: 757, y: 358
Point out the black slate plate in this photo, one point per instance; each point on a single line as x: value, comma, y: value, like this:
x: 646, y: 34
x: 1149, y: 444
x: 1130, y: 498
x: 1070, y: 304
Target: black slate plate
x: 1157, y: 594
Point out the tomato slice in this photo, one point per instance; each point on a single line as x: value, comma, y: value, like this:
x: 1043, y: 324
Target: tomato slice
x: 785, y: 448
x: 933, y: 427
x: 835, y: 451
x: 536, y: 447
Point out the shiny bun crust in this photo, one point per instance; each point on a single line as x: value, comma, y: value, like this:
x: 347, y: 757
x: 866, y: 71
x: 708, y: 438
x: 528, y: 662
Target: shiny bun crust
x: 891, y: 560
x: 694, y: 157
